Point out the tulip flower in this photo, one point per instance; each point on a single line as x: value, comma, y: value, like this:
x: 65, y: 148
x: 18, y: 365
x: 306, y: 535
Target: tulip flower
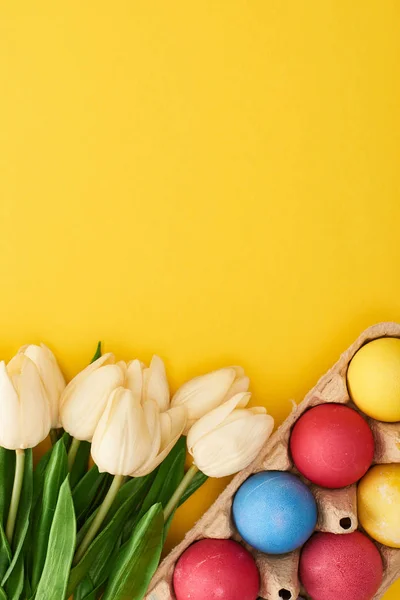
x: 24, y: 419
x: 133, y: 434
x: 51, y: 375
x: 24, y: 406
x: 122, y: 440
x: 206, y: 392
x: 131, y: 439
x: 85, y: 397
x: 228, y: 438
x: 224, y: 441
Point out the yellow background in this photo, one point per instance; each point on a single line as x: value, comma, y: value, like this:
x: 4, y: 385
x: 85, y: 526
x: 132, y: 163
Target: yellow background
x: 214, y: 181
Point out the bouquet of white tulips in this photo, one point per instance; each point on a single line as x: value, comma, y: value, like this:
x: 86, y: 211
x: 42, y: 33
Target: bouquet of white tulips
x: 93, y: 529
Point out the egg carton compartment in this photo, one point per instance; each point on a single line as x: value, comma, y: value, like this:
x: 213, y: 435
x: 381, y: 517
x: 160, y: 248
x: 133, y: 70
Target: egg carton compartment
x: 337, y: 508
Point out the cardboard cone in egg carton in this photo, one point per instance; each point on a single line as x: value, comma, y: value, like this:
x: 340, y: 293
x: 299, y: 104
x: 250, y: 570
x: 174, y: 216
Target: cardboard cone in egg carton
x: 337, y: 508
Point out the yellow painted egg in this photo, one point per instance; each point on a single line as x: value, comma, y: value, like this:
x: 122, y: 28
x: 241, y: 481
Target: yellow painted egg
x: 378, y: 498
x: 373, y: 379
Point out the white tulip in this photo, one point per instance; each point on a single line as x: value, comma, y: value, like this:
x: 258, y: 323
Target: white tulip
x: 85, y: 397
x: 228, y: 439
x: 24, y: 406
x: 51, y: 375
x: 206, y: 392
x: 131, y: 439
x: 149, y: 383
x: 121, y: 441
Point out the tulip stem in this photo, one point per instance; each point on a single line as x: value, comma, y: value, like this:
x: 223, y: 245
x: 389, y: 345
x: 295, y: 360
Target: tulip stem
x: 99, y: 518
x: 16, y: 493
x: 177, y: 495
x: 72, y: 452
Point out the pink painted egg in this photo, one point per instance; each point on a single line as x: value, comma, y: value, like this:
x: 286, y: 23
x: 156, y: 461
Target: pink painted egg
x: 216, y: 570
x: 345, y: 567
x: 332, y: 445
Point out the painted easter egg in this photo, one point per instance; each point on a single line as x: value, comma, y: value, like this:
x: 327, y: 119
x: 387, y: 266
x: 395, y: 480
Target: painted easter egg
x: 332, y: 445
x: 216, y: 570
x: 378, y: 498
x: 348, y: 567
x: 373, y: 379
x: 274, y: 512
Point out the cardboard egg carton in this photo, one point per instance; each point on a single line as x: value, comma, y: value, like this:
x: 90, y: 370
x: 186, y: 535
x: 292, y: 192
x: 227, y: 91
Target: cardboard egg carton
x: 337, y: 509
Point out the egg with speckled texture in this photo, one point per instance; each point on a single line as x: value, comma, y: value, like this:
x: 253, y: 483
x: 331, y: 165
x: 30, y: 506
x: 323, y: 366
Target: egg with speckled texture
x: 332, y: 445
x: 373, y: 379
x: 214, y: 569
x: 274, y: 512
x: 378, y: 499
x: 348, y: 567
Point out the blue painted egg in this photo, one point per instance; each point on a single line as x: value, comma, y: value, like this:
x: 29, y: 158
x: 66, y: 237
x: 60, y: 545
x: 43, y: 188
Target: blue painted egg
x: 274, y: 512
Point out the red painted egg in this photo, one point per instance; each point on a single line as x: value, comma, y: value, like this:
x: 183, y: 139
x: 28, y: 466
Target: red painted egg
x: 332, y: 445
x: 348, y: 567
x: 216, y: 570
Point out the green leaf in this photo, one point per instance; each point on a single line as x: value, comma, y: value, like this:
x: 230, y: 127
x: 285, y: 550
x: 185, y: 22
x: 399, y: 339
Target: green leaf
x: 38, y: 477
x: 80, y: 465
x: 169, y: 475
x: 7, y: 468
x: 194, y: 485
x: 94, y: 582
x: 103, y: 545
x: 86, y: 490
x: 139, y: 559
x: 101, y: 568
x: 3, y: 595
x: 5, y: 552
x: 38, y: 482
x: 54, y: 477
x: 54, y: 579
x: 66, y: 438
x: 84, y: 589
x: 27, y: 591
x: 94, y: 594
x: 101, y: 494
x: 15, y: 583
x: 24, y: 514
x: 135, y: 489
x: 97, y: 354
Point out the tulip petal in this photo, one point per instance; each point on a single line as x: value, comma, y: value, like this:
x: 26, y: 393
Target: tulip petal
x: 232, y: 447
x: 84, y: 403
x: 241, y: 384
x: 134, y: 378
x: 156, y: 384
x: 121, y: 442
x: 173, y: 421
x: 239, y: 413
x: 215, y: 417
x: 105, y: 359
x: 51, y: 375
x: 238, y: 370
x: 176, y: 419
x: 166, y: 425
x: 10, y: 434
x: 204, y: 393
x: 34, y: 406
x: 152, y: 416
